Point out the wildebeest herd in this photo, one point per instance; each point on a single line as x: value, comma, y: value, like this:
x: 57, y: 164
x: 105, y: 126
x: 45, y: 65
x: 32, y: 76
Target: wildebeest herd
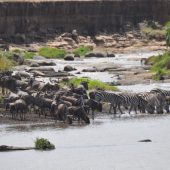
x: 26, y: 95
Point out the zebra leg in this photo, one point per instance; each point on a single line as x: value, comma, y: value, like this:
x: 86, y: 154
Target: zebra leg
x: 110, y: 108
x: 130, y: 109
x: 120, y: 109
x: 167, y: 108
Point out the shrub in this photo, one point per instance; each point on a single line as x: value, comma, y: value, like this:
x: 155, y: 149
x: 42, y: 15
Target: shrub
x: 93, y: 84
x: 43, y: 144
x: 81, y: 51
x: 50, y: 52
x: 29, y: 55
x: 5, y: 63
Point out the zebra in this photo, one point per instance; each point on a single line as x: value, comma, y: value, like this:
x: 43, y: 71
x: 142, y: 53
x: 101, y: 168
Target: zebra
x: 155, y: 100
x: 135, y: 102
x: 165, y: 97
x: 109, y: 97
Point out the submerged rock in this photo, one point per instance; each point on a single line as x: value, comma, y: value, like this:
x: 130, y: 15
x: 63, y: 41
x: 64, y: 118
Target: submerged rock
x: 145, y: 140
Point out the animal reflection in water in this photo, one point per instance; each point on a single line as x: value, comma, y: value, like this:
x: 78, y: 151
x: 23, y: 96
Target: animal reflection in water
x: 28, y: 95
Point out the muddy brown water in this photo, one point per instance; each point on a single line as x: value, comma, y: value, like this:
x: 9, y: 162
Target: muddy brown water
x: 105, y: 144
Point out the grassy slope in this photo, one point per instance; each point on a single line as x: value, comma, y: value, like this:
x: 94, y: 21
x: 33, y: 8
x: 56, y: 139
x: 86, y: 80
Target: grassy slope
x: 93, y: 84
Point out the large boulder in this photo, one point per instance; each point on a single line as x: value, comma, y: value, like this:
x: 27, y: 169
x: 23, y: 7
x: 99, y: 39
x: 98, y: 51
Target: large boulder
x: 69, y: 57
x: 18, y: 58
x: 69, y: 68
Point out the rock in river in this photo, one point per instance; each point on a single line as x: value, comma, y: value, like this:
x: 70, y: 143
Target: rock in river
x: 69, y: 57
x: 69, y: 68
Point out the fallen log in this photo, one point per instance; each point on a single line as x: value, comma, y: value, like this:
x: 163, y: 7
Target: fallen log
x: 4, y: 148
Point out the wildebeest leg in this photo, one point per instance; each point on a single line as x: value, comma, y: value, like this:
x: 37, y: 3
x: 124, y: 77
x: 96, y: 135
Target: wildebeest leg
x: 92, y: 114
x: 3, y: 91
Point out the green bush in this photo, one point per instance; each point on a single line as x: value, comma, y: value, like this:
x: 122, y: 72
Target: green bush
x: 5, y: 62
x: 154, y: 33
x: 50, y: 52
x: 81, y: 51
x: 43, y: 144
x: 29, y: 55
x: 93, y: 84
x: 160, y: 65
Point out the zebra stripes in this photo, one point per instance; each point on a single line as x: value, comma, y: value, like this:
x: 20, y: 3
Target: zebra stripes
x: 154, y: 101
x: 114, y: 99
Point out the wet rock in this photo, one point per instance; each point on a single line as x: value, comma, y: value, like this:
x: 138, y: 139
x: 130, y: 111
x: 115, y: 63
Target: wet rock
x: 110, y: 55
x: 18, y: 58
x: 78, y: 72
x: 145, y: 140
x: 89, y: 70
x: 69, y: 57
x: 90, y: 54
x: 39, y: 58
x: 69, y: 68
x: 41, y: 69
x: 33, y: 64
x: 37, y: 73
x: 100, y: 55
x: 46, y: 63
x: 96, y: 54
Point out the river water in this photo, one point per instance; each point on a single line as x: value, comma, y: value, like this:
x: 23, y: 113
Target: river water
x: 106, y: 144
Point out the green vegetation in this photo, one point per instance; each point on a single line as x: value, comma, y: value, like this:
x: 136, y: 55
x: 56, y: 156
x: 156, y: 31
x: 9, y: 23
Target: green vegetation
x: 25, y: 54
x: 154, y: 33
x: 50, y: 52
x: 43, y: 144
x: 160, y: 65
x: 5, y: 62
x: 168, y: 34
x: 81, y: 51
x: 93, y: 84
x: 152, y: 30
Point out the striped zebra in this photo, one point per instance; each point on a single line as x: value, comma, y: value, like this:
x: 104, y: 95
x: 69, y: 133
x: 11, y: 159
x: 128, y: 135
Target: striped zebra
x: 135, y: 102
x: 109, y: 97
x: 165, y: 94
x: 155, y: 100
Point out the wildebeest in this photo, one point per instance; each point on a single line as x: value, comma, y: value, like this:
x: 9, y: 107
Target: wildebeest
x: 18, y: 109
x: 93, y: 105
x: 79, y: 113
